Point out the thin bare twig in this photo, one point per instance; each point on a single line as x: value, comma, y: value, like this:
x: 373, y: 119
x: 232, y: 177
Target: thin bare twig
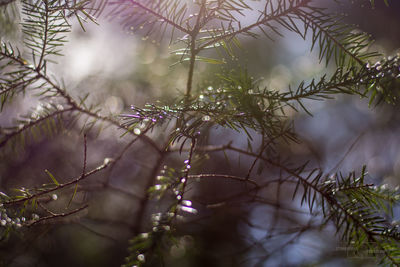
x: 50, y: 217
x: 224, y: 176
x: 32, y: 124
x: 260, y: 22
x: 160, y: 16
x: 60, y: 186
x: 347, y: 152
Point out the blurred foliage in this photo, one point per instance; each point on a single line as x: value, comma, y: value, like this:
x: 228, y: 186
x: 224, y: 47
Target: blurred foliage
x: 223, y: 169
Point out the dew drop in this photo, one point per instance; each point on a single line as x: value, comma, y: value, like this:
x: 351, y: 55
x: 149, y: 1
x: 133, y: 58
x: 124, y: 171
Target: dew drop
x: 144, y: 235
x: 107, y: 161
x: 157, y: 187
x: 137, y: 131
x: 141, y: 258
x: 206, y: 118
x: 188, y: 209
x: 156, y: 216
x: 187, y: 203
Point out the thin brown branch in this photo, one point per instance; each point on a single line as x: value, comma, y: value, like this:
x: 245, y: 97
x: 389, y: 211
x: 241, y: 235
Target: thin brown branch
x: 193, y: 51
x: 83, y: 168
x: 46, y: 209
x: 347, y: 152
x: 262, y: 148
x: 58, y: 187
x: 45, y: 35
x: 325, y: 30
x: 55, y: 216
x: 160, y: 16
x: 124, y: 150
x: 266, y: 18
x: 192, y: 62
x: 21, y: 83
x: 32, y: 124
x: 87, y: 228
x: 142, y: 136
x: 223, y: 176
x: 84, y: 156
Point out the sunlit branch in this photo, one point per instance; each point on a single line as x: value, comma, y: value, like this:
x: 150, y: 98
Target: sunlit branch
x: 265, y: 19
x: 56, y: 216
x: 58, y: 187
x: 160, y: 16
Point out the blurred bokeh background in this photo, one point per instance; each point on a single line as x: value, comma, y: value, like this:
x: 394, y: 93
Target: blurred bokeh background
x: 119, y: 69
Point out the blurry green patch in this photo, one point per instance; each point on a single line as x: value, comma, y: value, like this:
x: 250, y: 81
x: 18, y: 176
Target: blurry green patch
x: 9, y: 18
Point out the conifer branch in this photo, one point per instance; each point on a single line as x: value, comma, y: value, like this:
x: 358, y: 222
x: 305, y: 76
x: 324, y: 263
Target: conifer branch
x: 9, y: 136
x: 266, y: 18
x: 341, y: 35
x: 56, y: 216
x: 58, y: 187
x: 223, y: 176
x: 45, y: 34
x: 160, y: 16
x: 231, y: 99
